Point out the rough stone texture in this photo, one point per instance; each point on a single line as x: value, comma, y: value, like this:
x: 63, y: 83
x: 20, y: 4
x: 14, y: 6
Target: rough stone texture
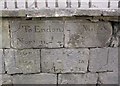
x: 4, y: 33
x: 86, y: 34
x: 6, y: 79
x: 108, y: 78
x: 64, y: 60
x: 0, y: 32
x: 60, y: 12
x: 103, y: 59
x: 1, y: 62
x: 115, y: 41
x: 35, y: 79
x: 37, y: 34
x: 87, y: 78
x: 113, y: 59
x: 22, y: 61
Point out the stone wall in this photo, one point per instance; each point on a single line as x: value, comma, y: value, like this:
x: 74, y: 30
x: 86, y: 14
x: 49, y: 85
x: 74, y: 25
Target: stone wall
x: 65, y: 50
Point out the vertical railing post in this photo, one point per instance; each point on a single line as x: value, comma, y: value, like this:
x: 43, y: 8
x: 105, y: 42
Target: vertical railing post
x: 90, y: 3
x: 5, y: 4
x: 35, y: 3
x: 108, y: 3
x: 46, y: 3
x: 79, y: 3
x: 16, y: 4
x: 68, y: 2
x: 26, y: 3
x: 119, y: 4
x: 56, y: 3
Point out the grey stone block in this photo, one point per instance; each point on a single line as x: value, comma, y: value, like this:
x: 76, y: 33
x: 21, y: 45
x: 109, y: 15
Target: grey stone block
x: 35, y: 79
x: 87, y: 34
x: 22, y: 61
x: 6, y: 79
x: 113, y: 59
x: 4, y: 33
x: 37, y: 34
x: 108, y: 78
x: 87, y: 78
x: 64, y: 60
x: 103, y: 59
x: 1, y: 62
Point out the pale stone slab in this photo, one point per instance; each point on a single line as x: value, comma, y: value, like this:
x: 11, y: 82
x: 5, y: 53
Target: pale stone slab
x: 87, y: 34
x: 103, y: 59
x: 87, y: 78
x: 1, y: 62
x: 64, y: 60
x: 4, y: 33
x: 7, y: 79
x: 22, y: 61
x: 37, y: 34
x: 113, y: 59
x: 35, y: 79
x: 108, y: 78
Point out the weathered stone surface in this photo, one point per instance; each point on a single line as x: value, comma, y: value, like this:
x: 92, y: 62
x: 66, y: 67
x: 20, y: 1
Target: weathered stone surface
x: 87, y: 78
x: 115, y: 41
x: 0, y: 32
x: 22, y: 61
x: 103, y: 59
x: 108, y: 78
x: 4, y: 33
x: 64, y: 60
x: 113, y: 59
x: 1, y: 62
x: 35, y: 79
x: 86, y: 34
x: 6, y: 79
x: 37, y: 34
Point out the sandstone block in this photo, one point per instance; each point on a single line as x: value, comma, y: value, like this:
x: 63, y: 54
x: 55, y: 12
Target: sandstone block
x: 4, y: 34
x: 22, y: 61
x: 87, y: 34
x: 35, y: 79
x: 87, y: 78
x: 1, y: 62
x: 6, y: 79
x: 108, y: 78
x: 37, y: 34
x: 103, y: 59
x: 64, y: 60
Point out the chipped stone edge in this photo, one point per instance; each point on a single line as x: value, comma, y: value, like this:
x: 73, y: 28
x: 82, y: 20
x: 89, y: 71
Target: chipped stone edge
x: 68, y: 12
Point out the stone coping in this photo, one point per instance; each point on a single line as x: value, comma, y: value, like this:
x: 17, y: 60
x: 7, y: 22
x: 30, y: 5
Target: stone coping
x: 59, y: 12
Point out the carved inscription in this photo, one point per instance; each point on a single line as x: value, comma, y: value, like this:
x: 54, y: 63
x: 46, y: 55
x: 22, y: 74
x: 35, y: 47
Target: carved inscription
x: 37, y: 34
x: 87, y: 34
x: 64, y: 60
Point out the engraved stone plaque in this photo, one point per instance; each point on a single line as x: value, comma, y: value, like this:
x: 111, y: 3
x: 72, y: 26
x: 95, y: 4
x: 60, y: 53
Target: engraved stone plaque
x: 64, y: 60
x: 37, y: 34
x: 87, y: 34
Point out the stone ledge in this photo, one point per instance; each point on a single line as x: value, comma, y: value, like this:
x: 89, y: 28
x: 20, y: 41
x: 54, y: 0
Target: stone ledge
x: 59, y: 12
